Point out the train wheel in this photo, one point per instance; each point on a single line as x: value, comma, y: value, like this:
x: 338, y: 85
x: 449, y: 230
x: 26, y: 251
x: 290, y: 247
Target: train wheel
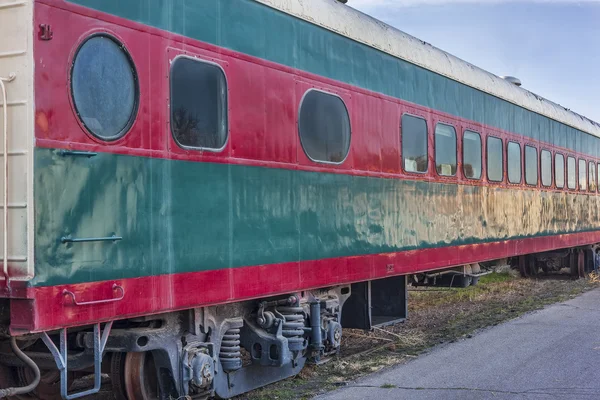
x: 117, y: 375
x: 461, y: 281
x: 49, y: 387
x: 140, y: 378
x: 475, y: 269
x: 7, y: 379
x: 523, y: 266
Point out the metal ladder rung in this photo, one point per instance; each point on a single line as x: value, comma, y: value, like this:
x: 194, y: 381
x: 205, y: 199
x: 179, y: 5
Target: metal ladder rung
x: 14, y: 205
x: 14, y: 259
x: 17, y: 53
x: 14, y: 4
x: 15, y: 103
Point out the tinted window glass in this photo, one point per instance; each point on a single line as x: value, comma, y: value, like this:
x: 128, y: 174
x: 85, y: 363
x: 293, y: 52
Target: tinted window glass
x: 198, y: 104
x: 571, y: 175
x: 445, y: 150
x: 531, y: 165
x: 592, y: 176
x: 104, y: 87
x: 559, y: 171
x: 514, y: 162
x: 324, y: 126
x: 495, y: 159
x: 582, y: 176
x: 546, y: 162
x: 414, y: 144
x: 598, y: 175
x: 472, y: 155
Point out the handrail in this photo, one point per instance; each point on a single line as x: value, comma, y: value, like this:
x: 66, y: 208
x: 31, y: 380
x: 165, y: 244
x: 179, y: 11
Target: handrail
x: 10, y: 78
x: 68, y: 239
x: 77, y: 153
x: 103, y: 301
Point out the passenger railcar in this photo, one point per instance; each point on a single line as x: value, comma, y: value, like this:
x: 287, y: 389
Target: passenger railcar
x: 193, y: 191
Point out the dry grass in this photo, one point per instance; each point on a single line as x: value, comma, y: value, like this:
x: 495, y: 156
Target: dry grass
x: 435, y: 316
x: 594, y: 277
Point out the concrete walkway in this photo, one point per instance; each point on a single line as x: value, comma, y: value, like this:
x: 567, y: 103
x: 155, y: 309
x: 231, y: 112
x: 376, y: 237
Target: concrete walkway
x: 550, y: 354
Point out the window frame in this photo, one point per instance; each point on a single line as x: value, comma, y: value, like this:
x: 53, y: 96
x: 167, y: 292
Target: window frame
x: 593, y: 171
x: 579, y: 160
x: 136, y: 83
x: 487, y: 158
x: 537, y: 165
x: 564, y: 174
x: 567, y: 173
x: 312, y: 89
x: 455, y: 149
x: 465, y: 131
x: 598, y: 176
x: 508, y: 143
x: 402, y: 161
x: 542, y: 169
x: 227, y: 130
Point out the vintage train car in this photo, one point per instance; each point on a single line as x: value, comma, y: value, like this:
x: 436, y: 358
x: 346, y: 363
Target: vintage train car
x: 193, y: 191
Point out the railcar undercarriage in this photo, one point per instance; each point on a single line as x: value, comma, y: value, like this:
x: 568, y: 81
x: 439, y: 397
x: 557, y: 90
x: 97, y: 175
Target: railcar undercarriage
x: 578, y: 261
x: 219, y: 351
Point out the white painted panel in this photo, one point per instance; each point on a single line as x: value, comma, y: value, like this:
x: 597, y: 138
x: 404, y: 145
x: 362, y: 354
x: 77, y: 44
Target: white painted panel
x: 18, y: 138
x: 16, y: 57
x: 17, y: 178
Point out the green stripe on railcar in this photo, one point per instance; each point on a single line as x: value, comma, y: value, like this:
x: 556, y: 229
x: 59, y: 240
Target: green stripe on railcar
x: 178, y: 216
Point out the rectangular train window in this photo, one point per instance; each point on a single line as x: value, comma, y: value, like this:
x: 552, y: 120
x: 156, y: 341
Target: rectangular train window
x: 559, y: 171
x: 495, y: 159
x: 513, y: 158
x: 598, y: 174
x: 198, y: 104
x: 546, y: 168
x: 445, y: 150
x: 414, y: 144
x: 592, y: 176
x: 472, y: 155
x: 582, y: 176
x: 531, y: 166
x: 571, y: 173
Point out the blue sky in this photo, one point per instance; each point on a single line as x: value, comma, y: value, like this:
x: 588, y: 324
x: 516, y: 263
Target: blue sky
x: 553, y: 46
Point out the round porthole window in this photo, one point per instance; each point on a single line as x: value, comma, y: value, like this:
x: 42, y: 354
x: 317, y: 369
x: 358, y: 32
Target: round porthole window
x: 104, y: 87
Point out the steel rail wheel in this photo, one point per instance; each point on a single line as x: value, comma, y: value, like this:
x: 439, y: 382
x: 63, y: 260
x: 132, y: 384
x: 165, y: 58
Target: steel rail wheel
x: 117, y: 375
x: 140, y: 378
x: 7, y: 378
x: 49, y: 387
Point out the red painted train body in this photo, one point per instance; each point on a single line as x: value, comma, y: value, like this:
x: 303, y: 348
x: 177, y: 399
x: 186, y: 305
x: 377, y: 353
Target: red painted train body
x: 318, y: 172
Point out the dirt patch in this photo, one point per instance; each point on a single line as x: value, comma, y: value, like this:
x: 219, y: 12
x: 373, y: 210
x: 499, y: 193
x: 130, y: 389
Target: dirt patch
x: 436, y: 315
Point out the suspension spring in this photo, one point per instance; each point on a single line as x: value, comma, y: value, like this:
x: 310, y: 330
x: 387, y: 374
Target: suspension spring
x: 230, y: 354
x: 293, y: 326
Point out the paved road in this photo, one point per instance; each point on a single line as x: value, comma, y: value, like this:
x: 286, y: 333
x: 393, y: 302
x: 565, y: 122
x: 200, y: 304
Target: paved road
x: 550, y: 354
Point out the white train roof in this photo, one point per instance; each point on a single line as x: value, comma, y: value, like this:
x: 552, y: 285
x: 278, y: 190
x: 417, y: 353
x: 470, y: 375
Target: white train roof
x: 353, y: 24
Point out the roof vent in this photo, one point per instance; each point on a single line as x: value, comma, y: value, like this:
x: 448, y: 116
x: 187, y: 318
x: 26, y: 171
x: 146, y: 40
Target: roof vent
x: 512, y: 79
